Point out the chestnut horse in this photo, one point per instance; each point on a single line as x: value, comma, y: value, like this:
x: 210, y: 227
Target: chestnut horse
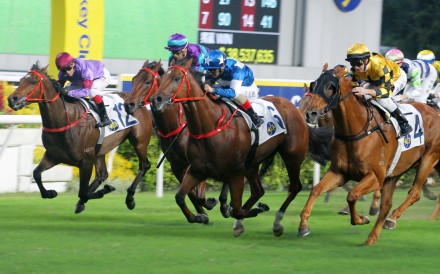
x: 170, y: 127
x: 70, y: 137
x: 364, y: 148
x: 326, y: 120
x: 220, y: 144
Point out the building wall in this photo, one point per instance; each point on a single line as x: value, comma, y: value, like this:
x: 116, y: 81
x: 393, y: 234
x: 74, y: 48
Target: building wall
x: 312, y: 32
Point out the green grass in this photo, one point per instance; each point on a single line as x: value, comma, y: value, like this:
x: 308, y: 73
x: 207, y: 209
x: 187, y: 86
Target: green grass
x: 45, y: 236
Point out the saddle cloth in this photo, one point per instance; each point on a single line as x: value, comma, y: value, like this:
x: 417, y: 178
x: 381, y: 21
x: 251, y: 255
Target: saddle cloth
x: 413, y: 139
x: 114, y: 106
x: 273, y: 122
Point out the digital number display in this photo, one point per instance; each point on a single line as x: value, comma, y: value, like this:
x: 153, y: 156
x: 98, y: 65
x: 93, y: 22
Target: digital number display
x: 246, y: 30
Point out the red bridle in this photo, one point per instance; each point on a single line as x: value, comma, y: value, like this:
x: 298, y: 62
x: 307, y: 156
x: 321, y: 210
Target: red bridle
x: 153, y: 86
x: 185, y: 79
x: 40, y: 86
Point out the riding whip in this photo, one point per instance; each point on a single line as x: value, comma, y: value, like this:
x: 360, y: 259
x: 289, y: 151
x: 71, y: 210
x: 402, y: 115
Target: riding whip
x: 174, y: 140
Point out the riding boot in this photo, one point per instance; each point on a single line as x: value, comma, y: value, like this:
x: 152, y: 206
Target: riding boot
x: 256, y: 120
x: 104, y: 120
x: 405, y: 128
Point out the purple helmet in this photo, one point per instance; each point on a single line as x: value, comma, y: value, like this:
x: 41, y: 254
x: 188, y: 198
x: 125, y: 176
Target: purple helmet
x: 177, y: 42
x: 63, y: 60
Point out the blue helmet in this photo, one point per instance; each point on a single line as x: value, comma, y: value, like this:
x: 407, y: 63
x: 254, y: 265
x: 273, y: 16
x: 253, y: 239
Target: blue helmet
x: 214, y: 60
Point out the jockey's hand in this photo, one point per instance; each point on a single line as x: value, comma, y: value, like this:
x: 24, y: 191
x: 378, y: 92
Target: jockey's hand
x: 359, y: 91
x: 208, y: 88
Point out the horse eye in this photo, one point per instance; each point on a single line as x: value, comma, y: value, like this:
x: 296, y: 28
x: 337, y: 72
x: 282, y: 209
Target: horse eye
x: 34, y: 82
x: 176, y: 78
x: 148, y: 82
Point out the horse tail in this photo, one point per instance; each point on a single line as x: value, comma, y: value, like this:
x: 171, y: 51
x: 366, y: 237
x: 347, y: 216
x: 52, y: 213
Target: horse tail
x: 319, y: 143
x: 267, y: 163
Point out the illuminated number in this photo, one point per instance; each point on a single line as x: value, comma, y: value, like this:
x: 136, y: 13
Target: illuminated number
x: 249, y: 3
x: 266, y: 21
x: 206, y: 1
x: 269, y: 56
x: 248, y: 20
x: 269, y: 4
x: 232, y: 52
x: 224, y: 2
x: 276, y: 117
x: 224, y: 19
x: 205, y: 15
x: 418, y: 132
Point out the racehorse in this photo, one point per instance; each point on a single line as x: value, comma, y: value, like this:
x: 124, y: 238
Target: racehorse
x: 70, y: 137
x: 326, y: 120
x: 363, y: 150
x: 220, y: 145
x: 170, y: 127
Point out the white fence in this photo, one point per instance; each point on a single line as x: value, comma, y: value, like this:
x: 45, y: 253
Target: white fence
x: 16, y: 157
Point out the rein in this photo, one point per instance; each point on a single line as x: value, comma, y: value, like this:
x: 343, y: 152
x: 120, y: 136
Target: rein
x: 177, y: 130
x: 219, y: 126
x: 41, y: 99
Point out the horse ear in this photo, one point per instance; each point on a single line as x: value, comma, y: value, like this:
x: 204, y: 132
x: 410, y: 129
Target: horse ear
x: 44, y: 70
x: 157, y: 66
x: 146, y: 63
x: 188, y: 63
x: 306, y: 88
x: 325, y: 67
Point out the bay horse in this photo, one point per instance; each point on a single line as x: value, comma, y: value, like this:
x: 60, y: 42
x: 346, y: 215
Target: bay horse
x: 70, y: 137
x: 220, y: 144
x: 364, y: 148
x: 170, y: 128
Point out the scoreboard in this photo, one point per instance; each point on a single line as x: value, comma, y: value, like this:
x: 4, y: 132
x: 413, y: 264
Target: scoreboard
x: 246, y: 30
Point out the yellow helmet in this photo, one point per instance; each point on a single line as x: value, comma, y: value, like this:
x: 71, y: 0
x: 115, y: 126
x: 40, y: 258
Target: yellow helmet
x: 357, y: 51
x: 436, y: 64
x: 426, y: 55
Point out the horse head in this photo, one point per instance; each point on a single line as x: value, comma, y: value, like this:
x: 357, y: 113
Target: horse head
x: 180, y: 83
x: 35, y: 86
x: 326, y: 93
x: 144, y: 84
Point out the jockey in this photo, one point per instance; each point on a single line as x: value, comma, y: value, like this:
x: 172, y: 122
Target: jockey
x: 235, y: 81
x: 421, y: 77
x: 429, y: 57
x: 379, y: 75
x: 87, y: 78
x: 179, y: 47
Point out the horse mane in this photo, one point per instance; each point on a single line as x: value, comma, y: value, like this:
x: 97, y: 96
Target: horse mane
x: 151, y: 65
x: 198, y: 75
x: 54, y: 82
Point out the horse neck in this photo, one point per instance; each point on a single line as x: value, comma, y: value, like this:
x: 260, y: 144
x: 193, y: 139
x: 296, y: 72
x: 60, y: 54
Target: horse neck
x: 57, y: 113
x: 349, y: 117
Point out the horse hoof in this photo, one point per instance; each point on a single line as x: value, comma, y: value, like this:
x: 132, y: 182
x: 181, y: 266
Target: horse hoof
x: 79, y: 208
x: 210, y: 203
x: 344, y: 211
x: 366, y: 220
x: 201, y: 218
x: 277, y: 232
x: 373, y: 211
x: 389, y: 224
x: 226, y: 211
x: 262, y: 207
x: 109, y: 188
x: 130, y: 204
x: 430, y: 196
x: 303, y: 232
x: 49, y: 194
x: 238, y: 231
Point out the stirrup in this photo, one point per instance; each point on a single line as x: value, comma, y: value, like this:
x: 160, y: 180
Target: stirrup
x: 103, y: 123
x: 405, y: 130
x: 258, y: 123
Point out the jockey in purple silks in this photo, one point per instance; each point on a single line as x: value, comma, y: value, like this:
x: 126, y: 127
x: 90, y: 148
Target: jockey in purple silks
x: 87, y: 78
x: 179, y: 47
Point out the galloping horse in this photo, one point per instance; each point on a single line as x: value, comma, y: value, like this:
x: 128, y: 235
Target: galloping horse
x: 170, y: 126
x: 363, y: 150
x: 326, y: 120
x: 220, y: 144
x: 70, y: 137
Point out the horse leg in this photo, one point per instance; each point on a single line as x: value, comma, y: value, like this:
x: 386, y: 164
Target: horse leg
x: 101, y: 174
x: 225, y: 208
x: 85, y: 172
x: 236, y: 187
x: 189, y: 182
x: 45, y: 164
x: 368, y: 184
x: 330, y: 181
x: 209, y: 203
x: 374, y: 207
x: 295, y: 186
x: 413, y: 196
x: 436, y: 210
x: 386, y: 197
x: 140, y: 147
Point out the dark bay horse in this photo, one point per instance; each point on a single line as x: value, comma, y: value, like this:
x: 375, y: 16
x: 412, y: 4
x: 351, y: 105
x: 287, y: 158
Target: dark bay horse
x: 170, y: 127
x: 220, y: 144
x: 70, y: 137
x: 360, y: 151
